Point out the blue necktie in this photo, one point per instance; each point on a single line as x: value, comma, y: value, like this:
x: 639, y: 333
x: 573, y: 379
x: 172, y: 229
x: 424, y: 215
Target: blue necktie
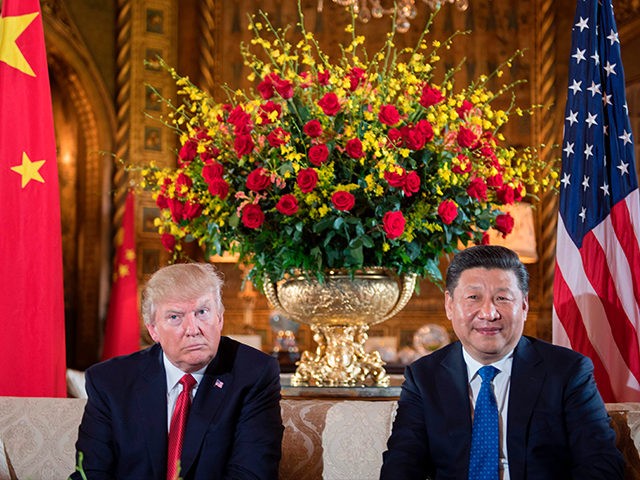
x: 484, y: 458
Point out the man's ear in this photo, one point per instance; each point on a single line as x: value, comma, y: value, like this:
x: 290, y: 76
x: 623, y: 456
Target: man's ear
x: 153, y: 332
x: 448, y: 304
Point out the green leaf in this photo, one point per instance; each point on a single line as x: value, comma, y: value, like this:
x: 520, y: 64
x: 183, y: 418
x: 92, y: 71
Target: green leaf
x: 367, y: 241
x: 356, y: 255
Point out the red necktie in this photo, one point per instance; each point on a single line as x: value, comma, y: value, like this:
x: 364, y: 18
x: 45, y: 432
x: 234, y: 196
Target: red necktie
x: 178, y: 425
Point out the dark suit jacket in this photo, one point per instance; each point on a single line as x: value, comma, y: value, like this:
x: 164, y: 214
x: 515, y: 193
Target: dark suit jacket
x: 234, y: 429
x: 557, y: 426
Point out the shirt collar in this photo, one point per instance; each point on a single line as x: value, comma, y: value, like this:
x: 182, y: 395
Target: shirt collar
x: 174, y: 374
x: 503, y: 365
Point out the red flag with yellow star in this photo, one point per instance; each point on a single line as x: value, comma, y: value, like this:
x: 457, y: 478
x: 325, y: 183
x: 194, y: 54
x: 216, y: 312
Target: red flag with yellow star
x: 32, y: 340
x: 122, y: 331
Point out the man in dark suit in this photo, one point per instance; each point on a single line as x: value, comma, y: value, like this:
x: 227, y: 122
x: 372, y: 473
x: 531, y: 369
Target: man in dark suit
x: 233, y: 425
x: 551, y: 423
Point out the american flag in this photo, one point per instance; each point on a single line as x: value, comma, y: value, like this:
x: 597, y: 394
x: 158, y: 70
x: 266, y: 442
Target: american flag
x: 597, y: 275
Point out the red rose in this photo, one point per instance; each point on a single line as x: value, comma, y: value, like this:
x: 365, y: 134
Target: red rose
x: 518, y: 192
x: 283, y: 87
x: 307, y: 179
x: 354, y: 148
x: 395, y: 179
x: 430, y: 96
x: 240, y: 120
x: 313, y: 128
x: 329, y: 104
x: 487, y: 151
x: 258, y: 180
x: 287, y: 205
x: 267, y: 109
x: 506, y: 195
x: 477, y: 189
x: 252, y: 216
x: 486, y: 239
x: 265, y: 87
x: 395, y: 137
x: 356, y: 75
x: 210, y: 154
x: 188, y: 152
x: 212, y: 171
x: 393, y: 224
x: 343, y: 200
x: 201, y: 134
x: 413, y: 138
x: 243, y: 145
x: 323, y: 77
x: 463, y: 166
x: 278, y: 136
x: 504, y: 224
x: 162, y: 201
x: 495, y: 181
x: 388, y: 115
x: 219, y: 187
x: 448, y: 211
x: 425, y: 128
x: 183, y: 184
x: 464, y: 108
x: 318, y: 154
x: 466, y: 137
x: 191, y: 210
x: 411, y: 184
x: 176, y: 207
x: 168, y: 241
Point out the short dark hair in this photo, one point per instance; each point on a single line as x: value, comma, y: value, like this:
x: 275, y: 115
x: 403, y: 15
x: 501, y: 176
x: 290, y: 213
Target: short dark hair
x: 487, y: 256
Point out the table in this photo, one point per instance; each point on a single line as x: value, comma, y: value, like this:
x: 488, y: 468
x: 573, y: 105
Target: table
x: 392, y: 392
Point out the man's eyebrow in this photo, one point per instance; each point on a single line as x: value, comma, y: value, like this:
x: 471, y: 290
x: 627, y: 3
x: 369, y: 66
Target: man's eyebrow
x: 174, y: 310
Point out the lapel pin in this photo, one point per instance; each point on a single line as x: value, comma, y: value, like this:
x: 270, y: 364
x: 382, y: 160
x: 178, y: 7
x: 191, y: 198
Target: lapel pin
x: 219, y: 383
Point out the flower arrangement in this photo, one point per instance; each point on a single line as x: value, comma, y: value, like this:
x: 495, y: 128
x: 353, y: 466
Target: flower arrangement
x: 359, y: 163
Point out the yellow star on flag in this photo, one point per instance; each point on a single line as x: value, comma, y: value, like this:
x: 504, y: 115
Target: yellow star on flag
x: 29, y: 170
x: 130, y: 254
x: 10, y: 29
x: 123, y: 270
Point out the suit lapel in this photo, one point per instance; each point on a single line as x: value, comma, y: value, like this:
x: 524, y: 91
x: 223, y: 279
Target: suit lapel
x: 151, y: 402
x: 526, y: 383
x: 453, y: 390
x: 214, y: 388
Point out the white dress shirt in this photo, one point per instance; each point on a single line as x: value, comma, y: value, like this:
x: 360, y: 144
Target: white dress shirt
x: 501, y: 385
x: 174, y: 374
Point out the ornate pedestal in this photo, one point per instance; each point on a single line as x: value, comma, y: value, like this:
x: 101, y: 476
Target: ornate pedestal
x: 340, y: 311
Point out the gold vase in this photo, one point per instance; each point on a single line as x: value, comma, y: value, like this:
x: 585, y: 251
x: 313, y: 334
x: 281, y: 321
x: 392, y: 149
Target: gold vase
x: 339, y: 312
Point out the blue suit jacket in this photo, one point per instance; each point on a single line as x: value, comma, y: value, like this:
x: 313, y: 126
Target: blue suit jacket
x: 234, y: 429
x: 557, y: 426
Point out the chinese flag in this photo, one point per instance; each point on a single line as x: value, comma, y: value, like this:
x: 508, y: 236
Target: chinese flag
x: 32, y: 341
x: 122, y: 332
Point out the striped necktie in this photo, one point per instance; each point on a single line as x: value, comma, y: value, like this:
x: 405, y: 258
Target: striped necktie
x: 178, y: 425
